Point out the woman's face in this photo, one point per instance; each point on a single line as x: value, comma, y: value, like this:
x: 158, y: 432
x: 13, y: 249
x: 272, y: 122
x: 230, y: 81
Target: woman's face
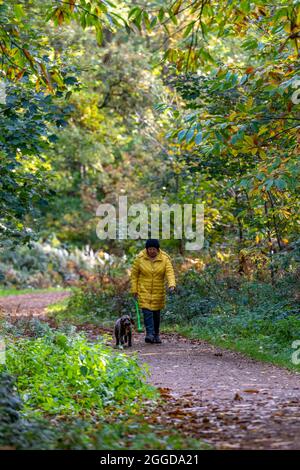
x: 152, y: 252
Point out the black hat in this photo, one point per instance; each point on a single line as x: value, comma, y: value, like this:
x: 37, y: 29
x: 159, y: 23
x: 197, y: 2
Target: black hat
x: 152, y: 242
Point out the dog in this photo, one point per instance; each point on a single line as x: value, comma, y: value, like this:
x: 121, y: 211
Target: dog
x: 123, y: 330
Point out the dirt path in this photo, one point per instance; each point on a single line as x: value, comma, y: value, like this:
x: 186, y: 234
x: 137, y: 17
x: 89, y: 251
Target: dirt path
x: 33, y: 304
x: 218, y: 396
x: 222, y: 397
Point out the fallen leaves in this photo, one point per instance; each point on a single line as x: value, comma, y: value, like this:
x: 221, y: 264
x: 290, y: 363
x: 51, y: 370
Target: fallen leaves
x: 237, y: 397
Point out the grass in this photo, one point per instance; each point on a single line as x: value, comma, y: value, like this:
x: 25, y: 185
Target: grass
x: 57, y: 309
x: 6, y: 291
x: 62, y: 314
x: 250, y: 316
x: 256, y: 348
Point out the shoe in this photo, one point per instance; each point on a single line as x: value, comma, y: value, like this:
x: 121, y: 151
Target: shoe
x: 157, y: 340
x: 149, y: 339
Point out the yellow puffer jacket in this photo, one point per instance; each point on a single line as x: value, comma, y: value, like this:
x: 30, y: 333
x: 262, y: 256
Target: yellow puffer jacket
x: 148, y: 279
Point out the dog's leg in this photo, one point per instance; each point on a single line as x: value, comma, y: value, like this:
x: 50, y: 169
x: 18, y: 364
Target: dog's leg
x: 129, y: 339
x: 117, y: 335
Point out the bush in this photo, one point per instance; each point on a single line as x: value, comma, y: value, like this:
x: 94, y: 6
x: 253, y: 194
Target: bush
x: 69, y: 393
x: 66, y: 374
x: 16, y: 431
x: 44, y: 265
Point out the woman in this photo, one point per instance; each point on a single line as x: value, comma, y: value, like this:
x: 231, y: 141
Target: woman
x: 149, y: 270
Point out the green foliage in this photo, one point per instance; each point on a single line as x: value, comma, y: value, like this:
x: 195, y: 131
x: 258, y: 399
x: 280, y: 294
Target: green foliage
x: 25, y: 49
x: 112, y: 135
x: 248, y: 315
x: 70, y: 393
x: 194, y: 27
x: 16, y: 431
x: 245, y: 146
x: 31, y: 88
x: 95, y: 14
x: 45, y: 264
x: 7, y: 291
x: 234, y: 140
x: 25, y: 117
x: 224, y: 130
x: 67, y: 375
x: 95, y: 304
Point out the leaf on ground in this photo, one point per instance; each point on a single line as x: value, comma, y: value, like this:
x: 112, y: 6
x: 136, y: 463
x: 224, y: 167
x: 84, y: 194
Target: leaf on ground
x: 237, y: 397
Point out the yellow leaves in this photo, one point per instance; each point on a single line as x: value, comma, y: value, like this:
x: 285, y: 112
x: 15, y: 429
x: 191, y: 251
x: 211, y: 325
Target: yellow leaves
x: 250, y: 144
x: 287, y: 27
x: 33, y: 165
x: 176, y: 7
x: 262, y: 11
x: 37, y: 85
x: 72, y: 5
x: 255, y: 190
x: 221, y: 256
x: 56, y: 77
x: 13, y: 51
x: 91, y: 115
x: 101, y: 254
x: 285, y: 213
x: 248, y: 139
x: 232, y: 115
x: 272, y: 133
x: 258, y: 238
x: 249, y: 103
x: 298, y: 16
x: 262, y: 130
x: 262, y: 153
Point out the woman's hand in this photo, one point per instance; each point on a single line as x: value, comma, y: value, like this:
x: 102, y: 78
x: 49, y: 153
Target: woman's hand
x: 136, y: 296
x: 172, y: 290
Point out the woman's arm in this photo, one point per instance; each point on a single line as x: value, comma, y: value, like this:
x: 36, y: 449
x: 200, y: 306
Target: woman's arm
x: 170, y: 274
x: 134, y: 276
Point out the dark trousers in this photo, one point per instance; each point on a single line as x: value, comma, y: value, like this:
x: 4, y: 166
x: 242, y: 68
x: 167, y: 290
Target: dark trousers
x: 151, y: 321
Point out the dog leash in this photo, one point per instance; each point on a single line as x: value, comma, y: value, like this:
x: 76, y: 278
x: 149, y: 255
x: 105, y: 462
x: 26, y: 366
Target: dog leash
x: 139, y: 326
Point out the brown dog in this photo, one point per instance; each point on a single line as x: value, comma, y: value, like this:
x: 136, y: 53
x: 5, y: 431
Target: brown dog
x: 123, y: 330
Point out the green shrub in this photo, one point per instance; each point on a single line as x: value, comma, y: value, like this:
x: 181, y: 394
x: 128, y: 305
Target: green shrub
x: 44, y: 265
x: 17, y: 431
x: 69, y: 393
x: 61, y: 374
